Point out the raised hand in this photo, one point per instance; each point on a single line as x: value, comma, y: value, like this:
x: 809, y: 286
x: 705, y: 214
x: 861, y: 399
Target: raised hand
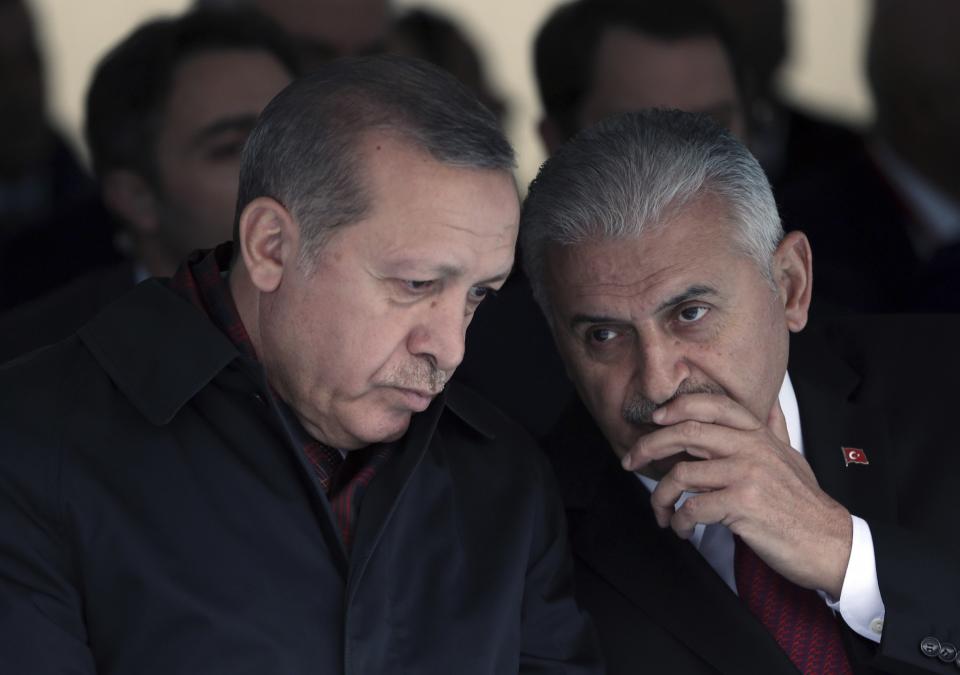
x: 750, y: 480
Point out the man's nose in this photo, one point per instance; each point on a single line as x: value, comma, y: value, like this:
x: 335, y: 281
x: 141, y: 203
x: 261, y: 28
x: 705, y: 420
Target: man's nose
x: 440, y: 334
x: 661, y: 367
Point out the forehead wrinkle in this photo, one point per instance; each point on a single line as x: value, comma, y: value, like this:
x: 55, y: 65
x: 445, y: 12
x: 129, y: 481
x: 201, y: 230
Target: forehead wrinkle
x: 466, y: 229
x: 627, y: 288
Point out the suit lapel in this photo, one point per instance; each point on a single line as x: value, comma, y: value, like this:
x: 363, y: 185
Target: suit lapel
x: 613, y: 532
x: 832, y: 417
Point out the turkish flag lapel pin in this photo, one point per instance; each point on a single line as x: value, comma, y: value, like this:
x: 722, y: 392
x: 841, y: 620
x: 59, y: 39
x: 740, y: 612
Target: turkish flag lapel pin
x: 854, y: 456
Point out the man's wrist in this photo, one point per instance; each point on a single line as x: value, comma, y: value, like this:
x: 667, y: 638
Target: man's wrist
x: 860, y: 603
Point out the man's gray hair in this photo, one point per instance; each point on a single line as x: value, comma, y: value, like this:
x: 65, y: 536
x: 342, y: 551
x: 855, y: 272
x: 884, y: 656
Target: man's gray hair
x: 631, y: 173
x: 304, y: 151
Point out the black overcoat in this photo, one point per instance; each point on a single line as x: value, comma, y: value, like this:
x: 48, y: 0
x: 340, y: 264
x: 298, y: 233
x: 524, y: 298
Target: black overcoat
x: 156, y: 518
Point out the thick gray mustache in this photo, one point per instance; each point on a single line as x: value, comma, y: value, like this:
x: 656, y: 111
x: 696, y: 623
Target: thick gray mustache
x: 418, y: 375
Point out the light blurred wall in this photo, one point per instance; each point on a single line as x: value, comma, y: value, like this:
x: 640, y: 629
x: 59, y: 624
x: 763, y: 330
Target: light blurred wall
x: 824, y: 71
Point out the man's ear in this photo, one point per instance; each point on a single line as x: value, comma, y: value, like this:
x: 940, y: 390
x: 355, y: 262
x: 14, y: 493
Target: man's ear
x: 128, y: 195
x: 269, y: 239
x: 793, y: 276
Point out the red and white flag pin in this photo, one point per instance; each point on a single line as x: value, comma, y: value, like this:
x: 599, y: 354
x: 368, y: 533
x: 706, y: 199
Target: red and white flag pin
x: 854, y: 456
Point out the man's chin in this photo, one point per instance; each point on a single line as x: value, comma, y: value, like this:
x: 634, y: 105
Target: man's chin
x: 393, y: 425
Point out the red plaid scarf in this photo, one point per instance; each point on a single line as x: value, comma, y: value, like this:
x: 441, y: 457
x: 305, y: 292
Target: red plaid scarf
x: 202, y: 280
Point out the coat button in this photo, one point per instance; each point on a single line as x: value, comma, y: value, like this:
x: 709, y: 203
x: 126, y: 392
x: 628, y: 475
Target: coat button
x: 948, y: 653
x: 930, y: 646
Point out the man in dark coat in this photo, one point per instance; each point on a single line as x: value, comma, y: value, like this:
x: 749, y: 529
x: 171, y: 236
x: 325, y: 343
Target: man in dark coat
x: 254, y: 467
x: 812, y: 477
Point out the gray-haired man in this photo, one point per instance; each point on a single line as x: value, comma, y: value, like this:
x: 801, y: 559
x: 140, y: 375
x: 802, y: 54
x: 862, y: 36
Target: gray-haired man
x: 654, y: 247
x: 253, y: 468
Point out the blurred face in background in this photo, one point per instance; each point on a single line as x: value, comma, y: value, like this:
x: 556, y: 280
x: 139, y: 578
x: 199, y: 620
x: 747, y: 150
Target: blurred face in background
x: 633, y: 71
x: 326, y: 29
x: 214, y: 101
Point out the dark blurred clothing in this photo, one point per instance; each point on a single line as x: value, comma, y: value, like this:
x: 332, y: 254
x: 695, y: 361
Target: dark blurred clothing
x: 800, y: 143
x: 863, y: 231
x: 69, y: 233
x: 61, y: 313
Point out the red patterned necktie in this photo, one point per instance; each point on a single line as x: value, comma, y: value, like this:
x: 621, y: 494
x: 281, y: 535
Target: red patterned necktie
x: 797, y: 617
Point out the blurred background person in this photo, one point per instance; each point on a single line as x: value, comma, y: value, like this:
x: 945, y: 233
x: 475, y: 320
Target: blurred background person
x: 595, y: 58
x: 913, y: 74
x: 429, y: 35
x: 788, y: 139
x: 885, y: 222
x: 168, y: 112
x: 325, y: 29
x: 48, y: 205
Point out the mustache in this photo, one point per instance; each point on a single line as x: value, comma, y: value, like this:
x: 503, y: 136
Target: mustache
x: 639, y: 410
x: 418, y: 375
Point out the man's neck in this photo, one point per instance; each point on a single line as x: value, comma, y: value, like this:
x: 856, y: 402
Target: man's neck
x: 246, y: 297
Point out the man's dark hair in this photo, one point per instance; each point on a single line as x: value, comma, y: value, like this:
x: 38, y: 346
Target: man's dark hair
x: 304, y: 150
x: 566, y: 45
x: 131, y: 84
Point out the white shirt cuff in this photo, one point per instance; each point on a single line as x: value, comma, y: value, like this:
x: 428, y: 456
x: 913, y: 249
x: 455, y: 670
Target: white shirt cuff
x: 860, y: 603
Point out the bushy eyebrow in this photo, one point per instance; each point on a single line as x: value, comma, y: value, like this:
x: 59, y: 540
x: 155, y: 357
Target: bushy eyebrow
x: 580, y: 319
x: 691, y: 293
x: 448, y: 271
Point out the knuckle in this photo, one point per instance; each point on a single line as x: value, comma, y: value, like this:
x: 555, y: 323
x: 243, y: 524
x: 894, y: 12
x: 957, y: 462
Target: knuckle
x: 681, y: 472
x: 640, y: 449
x: 690, y: 508
x: 691, y: 429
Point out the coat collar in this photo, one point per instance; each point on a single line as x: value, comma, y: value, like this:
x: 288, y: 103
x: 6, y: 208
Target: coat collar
x: 158, y: 349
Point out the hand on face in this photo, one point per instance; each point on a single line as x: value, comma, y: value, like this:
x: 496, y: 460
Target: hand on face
x: 752, y: 481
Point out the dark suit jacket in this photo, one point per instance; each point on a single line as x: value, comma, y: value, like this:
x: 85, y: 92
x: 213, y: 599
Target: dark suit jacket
x: 887, y: 386
x: 60, y: 314
x: 157, y: 517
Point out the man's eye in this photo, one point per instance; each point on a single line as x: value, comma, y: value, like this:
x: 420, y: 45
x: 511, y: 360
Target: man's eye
x: 227, y: 150
x: 418, y: 287
x: 478, y: 293
x: 692, y: 314
x: 601, y: 335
